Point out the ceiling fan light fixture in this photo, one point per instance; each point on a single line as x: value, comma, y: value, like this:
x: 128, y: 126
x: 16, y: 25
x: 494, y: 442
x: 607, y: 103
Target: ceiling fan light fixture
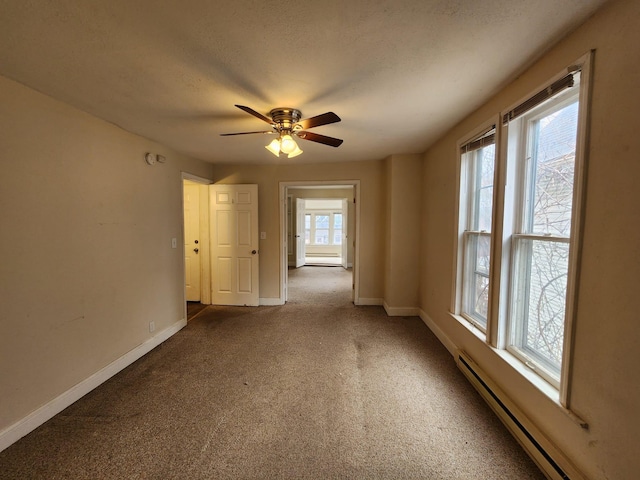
x: 274, y: 147
x: 285, y: 122
x: 296, y: 152
x: 288, y: 145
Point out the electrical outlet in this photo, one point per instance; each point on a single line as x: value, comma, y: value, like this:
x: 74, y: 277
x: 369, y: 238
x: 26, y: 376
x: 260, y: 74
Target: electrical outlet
x: 152, y: 326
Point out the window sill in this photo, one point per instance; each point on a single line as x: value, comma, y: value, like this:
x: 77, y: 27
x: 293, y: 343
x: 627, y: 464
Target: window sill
x: 540, y: 383
x: 472, y: 327
x: 515, y: 363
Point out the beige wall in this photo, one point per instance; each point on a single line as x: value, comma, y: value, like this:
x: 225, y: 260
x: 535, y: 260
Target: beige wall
x: 606, y: 375
x: 402, y: 236
x: 86, y: 258
x: 372, y: 221
x: 85, y: 249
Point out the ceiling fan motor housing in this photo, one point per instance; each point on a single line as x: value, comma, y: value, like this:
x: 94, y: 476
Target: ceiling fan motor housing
x: 285, y: 118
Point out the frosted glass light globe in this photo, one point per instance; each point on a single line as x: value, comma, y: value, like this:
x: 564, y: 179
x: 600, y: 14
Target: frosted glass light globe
x: 288, y: 144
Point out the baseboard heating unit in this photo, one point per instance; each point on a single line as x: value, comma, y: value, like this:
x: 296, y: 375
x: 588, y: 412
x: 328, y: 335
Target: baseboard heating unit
x: 554, y: 464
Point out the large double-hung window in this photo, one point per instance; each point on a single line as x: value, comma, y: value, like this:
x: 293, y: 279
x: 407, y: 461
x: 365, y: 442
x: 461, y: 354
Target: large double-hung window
x: 543, y: 144
x: 520, y: 201
x: 477, y: 172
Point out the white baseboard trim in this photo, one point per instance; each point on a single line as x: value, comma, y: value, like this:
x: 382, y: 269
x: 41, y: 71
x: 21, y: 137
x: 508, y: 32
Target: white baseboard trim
x: 444, y: 339
x: 270, y: 302
x: 401, y: 311
x: 36, y: 418
x: 370, y: 301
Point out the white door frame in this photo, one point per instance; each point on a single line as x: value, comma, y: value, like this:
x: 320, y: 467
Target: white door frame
x: 300, y: 232
x: 284, y: 264
x: 344, y: 251
x: 192, y: 240
x: 205, y: 284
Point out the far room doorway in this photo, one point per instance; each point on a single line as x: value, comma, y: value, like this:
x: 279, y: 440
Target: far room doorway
x: 195, y: 208
x: 319, y: 232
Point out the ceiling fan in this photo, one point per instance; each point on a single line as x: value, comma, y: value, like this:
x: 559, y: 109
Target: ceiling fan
x: 286, y: 123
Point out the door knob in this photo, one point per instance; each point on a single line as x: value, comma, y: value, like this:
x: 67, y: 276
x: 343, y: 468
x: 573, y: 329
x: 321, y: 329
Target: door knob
x: 253, y: 252
x: 196, y: 250
x: 195, y: 241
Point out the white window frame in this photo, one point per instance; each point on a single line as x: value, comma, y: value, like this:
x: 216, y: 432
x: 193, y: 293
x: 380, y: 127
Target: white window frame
x: 506, y: 208
x: 466, y: 234
x: 520, y: 128
x: 312, y: 229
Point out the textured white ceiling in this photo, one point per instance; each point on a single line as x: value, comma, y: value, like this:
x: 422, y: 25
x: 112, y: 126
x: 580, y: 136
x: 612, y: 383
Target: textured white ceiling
x: 398, y: 73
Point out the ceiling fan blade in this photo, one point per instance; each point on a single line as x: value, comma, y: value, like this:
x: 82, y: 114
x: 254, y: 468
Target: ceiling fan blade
x: 251, y: 111
x: 314, y: 137
x: 247, y: 133
x: 324, y: 119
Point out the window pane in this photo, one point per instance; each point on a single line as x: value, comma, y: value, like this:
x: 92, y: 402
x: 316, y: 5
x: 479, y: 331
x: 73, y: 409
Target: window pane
x: 541, y: 269
x: 337, y: 220
x: 476, y: 271
x: 322, y: 237
x: 482, y: 254
x: 322, y: 221
x: 337, y: 237
x: 485, y: 158
x: 553, y: 150
x: 481, y: 299
x: 307, y: 229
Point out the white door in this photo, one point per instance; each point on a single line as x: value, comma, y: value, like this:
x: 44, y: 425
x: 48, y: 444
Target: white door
x: 191, y: 241
x: 300, y: 233
x: 234, y: 244
x: 345, y: 230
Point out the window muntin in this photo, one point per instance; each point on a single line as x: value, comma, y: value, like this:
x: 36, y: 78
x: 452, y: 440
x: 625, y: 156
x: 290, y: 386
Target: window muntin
x: 542, y: 233
x: 478, y: 163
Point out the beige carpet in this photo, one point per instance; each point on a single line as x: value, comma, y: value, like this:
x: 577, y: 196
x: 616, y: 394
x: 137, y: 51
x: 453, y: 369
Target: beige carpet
x: 315, y: 389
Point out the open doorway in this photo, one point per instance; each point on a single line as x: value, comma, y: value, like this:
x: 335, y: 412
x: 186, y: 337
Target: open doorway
x: 196, y: 243
x: 320, y: 223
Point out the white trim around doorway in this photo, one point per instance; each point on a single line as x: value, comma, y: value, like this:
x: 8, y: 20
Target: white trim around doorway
x: 206, y: 281
x: 284, y: 264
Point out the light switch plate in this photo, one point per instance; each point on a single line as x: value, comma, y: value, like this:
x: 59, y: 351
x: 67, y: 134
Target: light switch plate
x: 263, y: 235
